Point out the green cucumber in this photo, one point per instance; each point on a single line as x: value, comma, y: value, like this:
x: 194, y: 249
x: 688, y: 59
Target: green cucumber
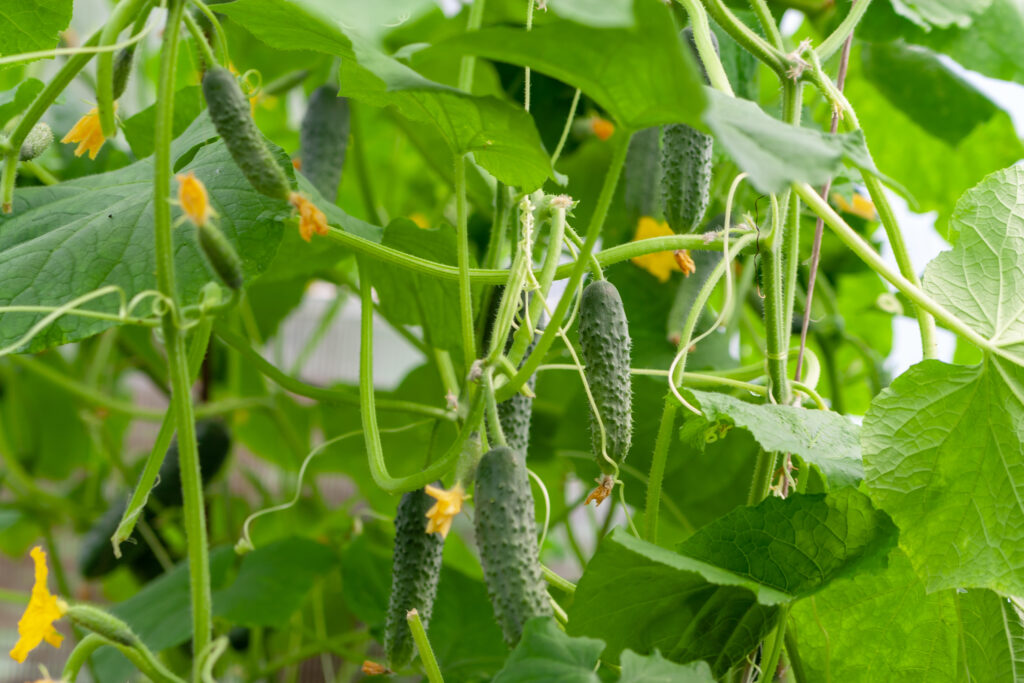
x: 123, y: 69
x: 36, y: 142
x: 604, y: 341
x: 686, y: 165
x: 221, y: 255
x: 506, y: 535
x: 231, y: 116
x: 643, y: 174
x: 415, y: 570
x: 515, y: 413
x: 324, y: 139
x: 214, y: 443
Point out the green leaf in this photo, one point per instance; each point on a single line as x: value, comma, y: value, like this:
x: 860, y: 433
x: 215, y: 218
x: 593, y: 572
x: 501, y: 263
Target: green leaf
x: 776, y: 154
x: 33, y: 25
x: 981, y: 279
x: 820, y: 437
x: 797, y: 544
x: 940, y: 13
x: 882, y: 627
x: 656, y: 669
x: 918, y: 83
x: 413, y: 299
x: 637, y: 595
x: 70, y: 239
x: 650, y: 81
x: 991, y: 631
x: 598, y: 13
x: 546, y: 653
x: 16, y: 100
x: 500, y: 135
x: 943, y: 456
x: 273, y: 582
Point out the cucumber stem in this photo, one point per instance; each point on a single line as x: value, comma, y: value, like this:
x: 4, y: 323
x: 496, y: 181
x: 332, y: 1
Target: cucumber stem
x: 174, y: 340
x: 419, y: 634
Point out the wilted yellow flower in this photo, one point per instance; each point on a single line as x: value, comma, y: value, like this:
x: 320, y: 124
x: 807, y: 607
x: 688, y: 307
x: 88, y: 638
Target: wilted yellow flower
x: 449, y: 504
x: 861, y: 205
x: 311, y: 219
x: 372, y: 668
x: 193, y: 198
x: 43, y: 609
x: 660, y: 264
x: 685, y: 261
x: 603, y: 128
x: 88, y: 134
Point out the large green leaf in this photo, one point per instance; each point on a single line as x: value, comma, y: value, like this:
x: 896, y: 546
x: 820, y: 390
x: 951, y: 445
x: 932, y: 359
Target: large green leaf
x: 798, y: 544
x: 32, y: 25
x: 882, y: 627
x: 969, y: 636
x: 940, y: 13
x: 546, y: 653
x: 715, y: 598
x: 926, y: 90
x: 944, y: 445
x: 66, y: 240
x: 821, y: 437
x: 656, y: 669
x: 500, y: 135
x: 640, y: 75
x: 637, y: 595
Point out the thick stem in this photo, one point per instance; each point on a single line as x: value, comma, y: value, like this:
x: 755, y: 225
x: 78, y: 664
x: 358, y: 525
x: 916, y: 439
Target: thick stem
x: 604, y: 201
x: 465, y: 290
x: 762, y: 479
x: 771, y: 29
x: 123, y: 14
x: 419, y: 635
x: 177, y: 360
x: 657, y: 474
x: 741, y: 33
x: 706, y: 48
x: 468, y: 63
x: 368, y: 410
x: 776, y: 326
x: 770, y: 663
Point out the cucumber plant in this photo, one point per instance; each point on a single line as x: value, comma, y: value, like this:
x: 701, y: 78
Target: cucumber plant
x: 320, y: 330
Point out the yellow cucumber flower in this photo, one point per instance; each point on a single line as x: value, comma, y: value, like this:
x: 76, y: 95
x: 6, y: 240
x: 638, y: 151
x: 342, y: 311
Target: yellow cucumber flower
x: 43, y: 609
x: 860, y: 206
x: 660, y: 264
x: 87, y: 133
x: 193, y: 198
x: 311, y: 219
x: 449, y: 504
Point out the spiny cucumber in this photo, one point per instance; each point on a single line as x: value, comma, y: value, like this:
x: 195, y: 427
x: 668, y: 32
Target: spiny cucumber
x: 324, y: 139
x: 605, y: 342
x: 686, y: 165
x: 415, y: 570
x: 36, y: 142
x: 506, y: 535
x: 231, y: 116
x: 221, y: 255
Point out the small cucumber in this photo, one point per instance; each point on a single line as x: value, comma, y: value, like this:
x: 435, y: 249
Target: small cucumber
x: 686, y: 164
x: 231, y: 116
x: 643, y: 174
x: 506, y: 535
x: 36, y: 142
x: 415, y: 570
x: 604, y: 340
x: 123, y: 62
x: 324, y: 139
x: 515, y: 413
x: 221, y: 255
x: 214, y: 442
